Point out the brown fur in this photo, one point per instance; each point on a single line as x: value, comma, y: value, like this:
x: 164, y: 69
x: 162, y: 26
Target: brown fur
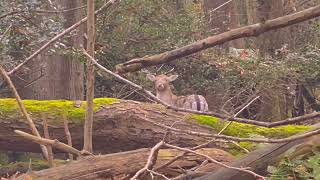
x: 164, y: 93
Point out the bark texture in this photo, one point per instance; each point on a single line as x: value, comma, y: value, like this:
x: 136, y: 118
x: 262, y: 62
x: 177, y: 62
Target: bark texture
x: 58, y: 76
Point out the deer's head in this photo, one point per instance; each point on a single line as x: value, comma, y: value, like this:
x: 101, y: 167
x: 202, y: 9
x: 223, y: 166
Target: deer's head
x: 162, y: 81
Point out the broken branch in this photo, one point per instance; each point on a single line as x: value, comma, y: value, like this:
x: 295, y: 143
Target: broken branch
x: 54, y: 143
x: 247, y: 31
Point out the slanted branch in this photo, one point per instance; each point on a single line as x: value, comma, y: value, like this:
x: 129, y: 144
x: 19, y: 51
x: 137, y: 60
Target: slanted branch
x: 247, y: 31
x: 48, y: 142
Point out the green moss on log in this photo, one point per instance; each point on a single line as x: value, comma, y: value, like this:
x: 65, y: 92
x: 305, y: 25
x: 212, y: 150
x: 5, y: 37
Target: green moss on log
x: 54, y: 109
x: 247, y: 130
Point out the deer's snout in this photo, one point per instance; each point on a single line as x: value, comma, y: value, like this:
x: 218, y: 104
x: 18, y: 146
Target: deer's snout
x: 160, y: 86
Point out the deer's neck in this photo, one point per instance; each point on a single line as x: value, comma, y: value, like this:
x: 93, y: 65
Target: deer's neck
x: 167, y: 96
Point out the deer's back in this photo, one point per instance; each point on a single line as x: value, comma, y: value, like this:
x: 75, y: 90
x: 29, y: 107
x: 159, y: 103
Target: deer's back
x: 193, y: 102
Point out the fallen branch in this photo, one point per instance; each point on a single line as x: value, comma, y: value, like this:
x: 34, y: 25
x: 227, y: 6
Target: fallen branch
x: 23, y: 109
x: 247, y: 31
x: 54, y: 143
x: 154, y: 153
x: 124, y: 164
x: 215, y: 161
x: 218, y: 115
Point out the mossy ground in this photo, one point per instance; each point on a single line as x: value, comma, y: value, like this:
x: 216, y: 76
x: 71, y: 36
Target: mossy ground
x: 247, y: 130
x: 54, y: 109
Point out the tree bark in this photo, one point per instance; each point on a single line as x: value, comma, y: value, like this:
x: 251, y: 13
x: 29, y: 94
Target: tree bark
x: 117, y: 128
x: 61, y: 76
x: 125, y: 164
x: 87, y: 145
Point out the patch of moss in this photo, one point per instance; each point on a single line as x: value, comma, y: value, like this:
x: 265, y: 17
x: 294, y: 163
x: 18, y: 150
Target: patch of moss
x: 54, y: 109
x: 246, y: 130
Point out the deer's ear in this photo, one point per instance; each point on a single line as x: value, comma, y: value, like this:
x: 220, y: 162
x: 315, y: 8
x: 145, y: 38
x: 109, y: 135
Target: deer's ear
x: 172, y: 77
x: 151, y: 77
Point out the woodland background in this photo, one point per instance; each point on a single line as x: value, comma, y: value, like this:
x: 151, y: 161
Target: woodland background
x: 280, y: 66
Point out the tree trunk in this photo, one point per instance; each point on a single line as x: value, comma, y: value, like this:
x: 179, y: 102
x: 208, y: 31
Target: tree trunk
x: 87, y: 145
x: 61, y: 76
x: 118, y: 127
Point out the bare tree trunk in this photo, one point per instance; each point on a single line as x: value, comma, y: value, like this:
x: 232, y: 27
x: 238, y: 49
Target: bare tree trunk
x: 90, y: 77
x: 61, y: 75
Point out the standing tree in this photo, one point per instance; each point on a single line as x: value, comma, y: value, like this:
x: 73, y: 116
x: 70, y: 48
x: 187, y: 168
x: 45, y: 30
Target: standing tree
x: 87, y: 146
x: 61, y: 75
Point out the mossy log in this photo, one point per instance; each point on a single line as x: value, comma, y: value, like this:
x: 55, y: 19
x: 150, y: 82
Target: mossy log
x: 118, y: 126
x: 125, y: 164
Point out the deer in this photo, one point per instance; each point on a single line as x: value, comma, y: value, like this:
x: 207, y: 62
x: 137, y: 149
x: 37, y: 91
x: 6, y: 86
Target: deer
x: 164, y: 93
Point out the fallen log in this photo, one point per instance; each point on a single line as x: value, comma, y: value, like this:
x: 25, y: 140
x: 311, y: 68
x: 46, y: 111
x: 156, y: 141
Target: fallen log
x: 119, y: 125
x: 123, y: 165
x: 116, y: 126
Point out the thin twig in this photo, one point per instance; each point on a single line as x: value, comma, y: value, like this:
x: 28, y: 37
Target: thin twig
x: 214, y: 161
x: 47, y: 136
x: 151, y: 160
x: 68, y: 134
x: 158, y: 174
x: 23, y: 110
x: 5, y: 32
x: 217, y: 8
